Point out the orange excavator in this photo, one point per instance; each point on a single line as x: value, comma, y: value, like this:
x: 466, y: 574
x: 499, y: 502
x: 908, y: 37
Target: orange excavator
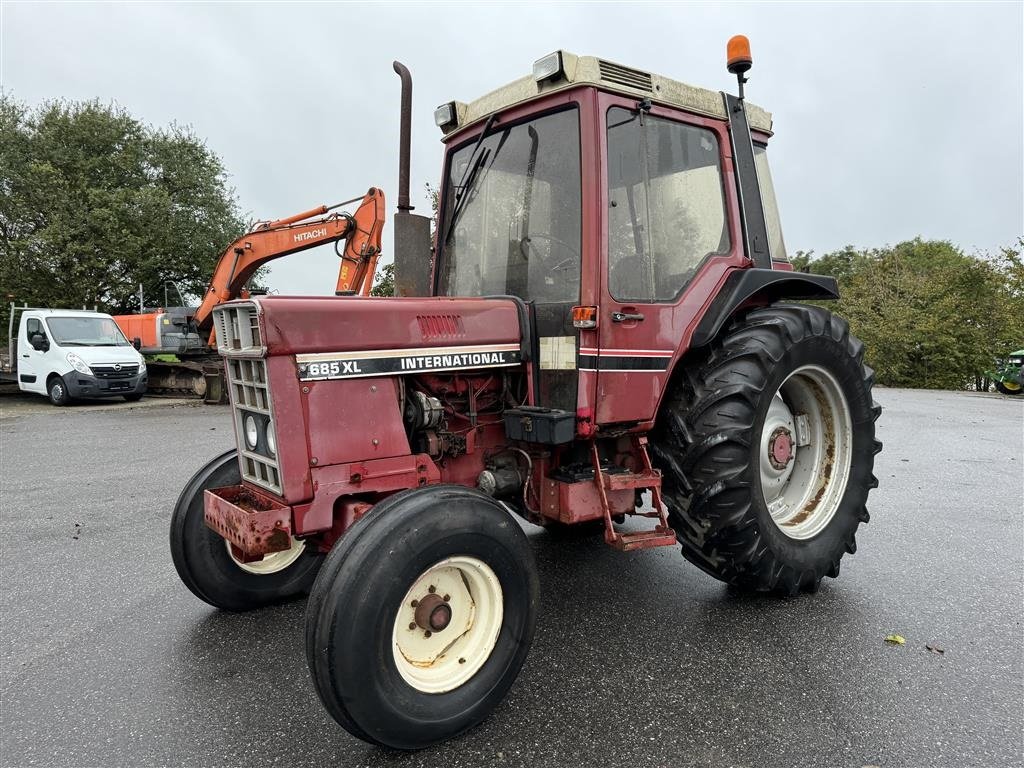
x: 187, y: 333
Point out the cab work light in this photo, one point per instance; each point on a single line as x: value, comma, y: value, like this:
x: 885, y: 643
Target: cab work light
x: 445, y: 116
x: 548, y: 67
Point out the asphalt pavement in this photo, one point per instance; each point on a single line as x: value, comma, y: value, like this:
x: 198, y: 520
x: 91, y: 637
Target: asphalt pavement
x: 640, y: 659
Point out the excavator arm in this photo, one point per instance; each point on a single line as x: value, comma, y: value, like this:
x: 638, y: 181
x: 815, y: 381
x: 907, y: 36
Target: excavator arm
x: 270, y: 240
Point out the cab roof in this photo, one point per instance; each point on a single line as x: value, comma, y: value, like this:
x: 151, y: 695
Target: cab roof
x: 608, y: 76
x: 50, y: 312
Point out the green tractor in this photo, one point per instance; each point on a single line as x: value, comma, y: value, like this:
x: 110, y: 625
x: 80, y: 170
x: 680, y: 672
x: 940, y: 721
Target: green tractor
x: 1009, y: 376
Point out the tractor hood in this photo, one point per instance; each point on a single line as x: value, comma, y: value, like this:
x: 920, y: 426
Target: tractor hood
x: 339, y: 328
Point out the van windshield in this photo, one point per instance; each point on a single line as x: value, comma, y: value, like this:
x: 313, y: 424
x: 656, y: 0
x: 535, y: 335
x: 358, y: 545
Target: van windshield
x: 85, y: 332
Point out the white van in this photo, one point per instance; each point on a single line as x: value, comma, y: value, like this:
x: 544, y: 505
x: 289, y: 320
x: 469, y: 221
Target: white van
x: 67, y: 354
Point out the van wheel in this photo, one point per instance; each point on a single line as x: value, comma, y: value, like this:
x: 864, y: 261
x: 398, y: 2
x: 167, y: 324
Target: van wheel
x: 58, y: 391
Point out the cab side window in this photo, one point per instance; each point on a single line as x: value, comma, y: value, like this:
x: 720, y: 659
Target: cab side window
x: 666, y: 204
x: 33, y: 326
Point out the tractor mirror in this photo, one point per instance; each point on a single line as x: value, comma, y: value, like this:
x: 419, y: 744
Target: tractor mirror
x: 412, y: 254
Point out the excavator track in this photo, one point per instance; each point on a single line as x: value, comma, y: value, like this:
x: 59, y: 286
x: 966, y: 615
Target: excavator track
x: 189, y: 378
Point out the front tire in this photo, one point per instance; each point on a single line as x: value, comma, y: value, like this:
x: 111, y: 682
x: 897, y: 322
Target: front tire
x: 204, y: 561
x: 397, y: 679
x: 767, y: 446
x: 57, y: 391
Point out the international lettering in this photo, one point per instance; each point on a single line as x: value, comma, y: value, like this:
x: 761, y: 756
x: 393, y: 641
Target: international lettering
x: 464, y: 360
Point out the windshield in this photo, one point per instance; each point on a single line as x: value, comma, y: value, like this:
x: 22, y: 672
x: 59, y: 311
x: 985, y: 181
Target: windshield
x: 86, y: 332
x: 516, y: 228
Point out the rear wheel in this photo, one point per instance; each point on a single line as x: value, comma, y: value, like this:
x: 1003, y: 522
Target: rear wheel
x: 206, y: 565
x: 1008, y: 387
x: 767, y: 447
x: 422, y: 617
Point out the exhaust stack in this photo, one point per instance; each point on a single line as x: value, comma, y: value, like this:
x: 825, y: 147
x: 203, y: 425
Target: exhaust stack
x: 411, y: 242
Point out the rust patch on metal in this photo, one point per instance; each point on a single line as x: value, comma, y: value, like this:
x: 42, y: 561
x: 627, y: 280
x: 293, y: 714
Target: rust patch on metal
x: 828, y: 423
x: 253, y: 523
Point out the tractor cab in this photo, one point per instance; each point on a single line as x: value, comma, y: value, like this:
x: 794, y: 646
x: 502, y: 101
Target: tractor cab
x: 607, y: 199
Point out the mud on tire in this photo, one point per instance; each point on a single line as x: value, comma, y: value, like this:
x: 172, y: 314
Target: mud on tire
x: 710, y: 442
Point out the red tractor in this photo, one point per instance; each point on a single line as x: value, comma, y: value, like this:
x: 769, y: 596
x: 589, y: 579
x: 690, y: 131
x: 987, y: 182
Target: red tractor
x: 604, y: 330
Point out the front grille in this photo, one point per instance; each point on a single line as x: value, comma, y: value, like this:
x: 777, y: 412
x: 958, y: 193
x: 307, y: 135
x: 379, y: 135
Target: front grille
x: 116, y: 371
x: 632, y: 78
x: 238, y: 330
x: 250, y: 394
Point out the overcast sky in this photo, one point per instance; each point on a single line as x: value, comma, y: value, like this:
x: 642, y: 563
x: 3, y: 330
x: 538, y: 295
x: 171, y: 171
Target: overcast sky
x: 892, y: 120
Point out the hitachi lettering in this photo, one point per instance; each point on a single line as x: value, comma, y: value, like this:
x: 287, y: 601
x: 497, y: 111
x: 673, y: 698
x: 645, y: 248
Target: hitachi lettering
x: 311, y: 235
x: 453, y: 361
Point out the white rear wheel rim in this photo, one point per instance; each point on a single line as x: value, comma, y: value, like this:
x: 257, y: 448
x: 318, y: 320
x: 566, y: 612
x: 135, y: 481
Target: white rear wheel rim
x: 805, y: 452
x: 272, y: 563
x: 437, y: 661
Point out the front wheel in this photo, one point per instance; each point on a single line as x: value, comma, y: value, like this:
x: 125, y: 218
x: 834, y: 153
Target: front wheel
x: 206, y: 565
x: 767, y: 447
x: 58, y: 391
x: 422, y: 617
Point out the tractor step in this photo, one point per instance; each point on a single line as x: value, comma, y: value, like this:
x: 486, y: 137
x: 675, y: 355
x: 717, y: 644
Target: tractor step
x: 627, y: 480
x: 627, y: 542
x: 648, y: 478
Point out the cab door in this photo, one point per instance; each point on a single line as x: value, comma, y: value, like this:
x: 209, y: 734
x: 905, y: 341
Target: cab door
x: 668, y: 239
x: 31, y: 362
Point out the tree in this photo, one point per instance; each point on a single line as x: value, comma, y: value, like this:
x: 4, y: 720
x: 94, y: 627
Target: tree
x: 93, y: 203
x: 929, y: 315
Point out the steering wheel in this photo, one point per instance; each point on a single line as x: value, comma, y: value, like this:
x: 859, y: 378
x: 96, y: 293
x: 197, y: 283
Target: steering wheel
x: 526, y: 245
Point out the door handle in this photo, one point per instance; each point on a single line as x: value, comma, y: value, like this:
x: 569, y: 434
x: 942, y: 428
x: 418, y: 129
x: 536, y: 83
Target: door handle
x: 621, y: 317
x: 24, y: 355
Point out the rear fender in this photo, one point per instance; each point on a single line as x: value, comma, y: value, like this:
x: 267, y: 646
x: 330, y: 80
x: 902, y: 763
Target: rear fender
x: 759, y: 286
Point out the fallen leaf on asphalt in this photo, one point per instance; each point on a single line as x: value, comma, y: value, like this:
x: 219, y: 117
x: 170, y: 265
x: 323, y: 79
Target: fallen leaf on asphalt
x: 896, y: 639
x: 935, y: 649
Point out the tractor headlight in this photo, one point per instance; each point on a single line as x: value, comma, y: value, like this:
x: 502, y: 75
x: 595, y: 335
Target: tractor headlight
x: 271, y: 440
x: 79, y: 364
x: 252, y: 433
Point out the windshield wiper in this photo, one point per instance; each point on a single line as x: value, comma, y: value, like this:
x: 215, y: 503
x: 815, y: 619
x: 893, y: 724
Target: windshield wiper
x: 467, y: 179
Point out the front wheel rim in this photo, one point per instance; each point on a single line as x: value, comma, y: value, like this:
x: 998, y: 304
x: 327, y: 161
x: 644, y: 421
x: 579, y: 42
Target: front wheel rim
x: 447, y: 624
x: 275, y: 562
x: 805, y: 452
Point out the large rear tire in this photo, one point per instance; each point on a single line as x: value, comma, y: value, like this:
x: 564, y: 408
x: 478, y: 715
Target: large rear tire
x: 204, y: 561
x: 1009, y: 387
x: 767, y: 444
x: 394, y: 677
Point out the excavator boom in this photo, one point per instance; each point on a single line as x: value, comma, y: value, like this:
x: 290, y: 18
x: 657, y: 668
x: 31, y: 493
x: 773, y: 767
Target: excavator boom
x: 190, y: 336
x: 271, y: 240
